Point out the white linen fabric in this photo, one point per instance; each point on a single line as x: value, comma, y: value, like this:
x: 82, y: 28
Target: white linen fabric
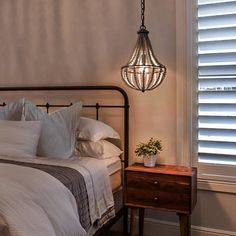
x: 97, y: 181
x: 58, y: 129
x: 33, y: 203
x: 94, y: 130
x: 19, y: 138
x: 101, y: 149
x: 12, y: 111
x: 113, y: 164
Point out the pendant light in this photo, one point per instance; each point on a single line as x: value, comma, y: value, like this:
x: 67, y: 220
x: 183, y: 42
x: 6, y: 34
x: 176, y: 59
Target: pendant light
x: 143, y: 71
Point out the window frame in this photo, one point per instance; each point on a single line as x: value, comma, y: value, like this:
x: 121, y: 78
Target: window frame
x: 186, y: 103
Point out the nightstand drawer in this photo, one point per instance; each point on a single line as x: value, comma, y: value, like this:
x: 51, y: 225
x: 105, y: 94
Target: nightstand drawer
x: 158, y: 191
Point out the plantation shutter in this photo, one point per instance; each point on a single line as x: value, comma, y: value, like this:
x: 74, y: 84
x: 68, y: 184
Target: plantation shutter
x: 217, y: 81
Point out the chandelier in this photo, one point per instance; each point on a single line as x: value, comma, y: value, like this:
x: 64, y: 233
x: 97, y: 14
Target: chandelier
x: 143, y: 71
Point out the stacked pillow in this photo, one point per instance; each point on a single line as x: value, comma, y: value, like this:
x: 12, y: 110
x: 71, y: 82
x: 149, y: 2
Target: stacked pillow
x: 58, y: 132
x: 27, y: 131
x: 17, y: 138
x: 91, y: 139
x: 12, y: 111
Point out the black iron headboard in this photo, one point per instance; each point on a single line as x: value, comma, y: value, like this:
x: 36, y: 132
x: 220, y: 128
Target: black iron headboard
x: 97, y: 106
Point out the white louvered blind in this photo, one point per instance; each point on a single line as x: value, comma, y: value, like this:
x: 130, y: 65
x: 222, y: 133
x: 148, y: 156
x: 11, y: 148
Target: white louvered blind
x: 217, y: 81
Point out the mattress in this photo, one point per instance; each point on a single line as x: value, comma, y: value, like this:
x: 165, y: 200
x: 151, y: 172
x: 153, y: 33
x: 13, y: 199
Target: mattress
x: 113, y: 164
x: 114, y: 169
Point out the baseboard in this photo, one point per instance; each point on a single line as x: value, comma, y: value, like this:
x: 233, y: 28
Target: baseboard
x: 157, y: 227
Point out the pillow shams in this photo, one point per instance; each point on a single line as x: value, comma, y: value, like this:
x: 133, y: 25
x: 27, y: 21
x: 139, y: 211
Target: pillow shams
x: 58, y: 129
x: 94, y: 130
x: 101, y: 149
x: 12, y: 111
x: 19, y: 138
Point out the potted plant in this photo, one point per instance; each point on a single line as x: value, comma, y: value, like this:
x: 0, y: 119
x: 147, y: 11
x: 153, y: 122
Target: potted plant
x: 149, y: 151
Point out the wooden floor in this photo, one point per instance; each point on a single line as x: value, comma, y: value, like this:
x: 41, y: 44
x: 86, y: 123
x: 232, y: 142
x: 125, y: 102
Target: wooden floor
x: 115, y: 233
x: 116, y: 230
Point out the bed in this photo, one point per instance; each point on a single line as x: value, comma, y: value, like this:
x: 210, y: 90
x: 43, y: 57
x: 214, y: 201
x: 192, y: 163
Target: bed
x: 83, y: 195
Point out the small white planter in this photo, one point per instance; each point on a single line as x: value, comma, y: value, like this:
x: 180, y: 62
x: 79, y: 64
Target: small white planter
x: 149, y: 161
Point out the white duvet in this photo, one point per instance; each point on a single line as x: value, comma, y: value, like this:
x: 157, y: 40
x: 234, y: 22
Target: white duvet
x: 33, y: 203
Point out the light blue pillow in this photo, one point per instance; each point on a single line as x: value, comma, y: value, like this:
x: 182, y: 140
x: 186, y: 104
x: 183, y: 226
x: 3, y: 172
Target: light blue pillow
x: 12, y: 111
x: 58, y: 129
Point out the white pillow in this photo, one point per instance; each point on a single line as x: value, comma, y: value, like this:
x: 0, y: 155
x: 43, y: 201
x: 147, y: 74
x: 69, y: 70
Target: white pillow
x: 19, y: 138
x: 94, y: 130
x: 58, y: 130
x: 12, y: 111
x: 101, y: 149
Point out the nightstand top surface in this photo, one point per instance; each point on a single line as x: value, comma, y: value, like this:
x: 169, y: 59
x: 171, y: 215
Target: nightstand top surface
x: 163, y: 169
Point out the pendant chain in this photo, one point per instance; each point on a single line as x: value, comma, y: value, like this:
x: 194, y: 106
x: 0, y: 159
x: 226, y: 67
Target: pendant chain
x: 142, y: 14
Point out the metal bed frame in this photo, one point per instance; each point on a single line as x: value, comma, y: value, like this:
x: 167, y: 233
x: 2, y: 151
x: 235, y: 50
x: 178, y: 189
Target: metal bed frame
x: 123, y: 211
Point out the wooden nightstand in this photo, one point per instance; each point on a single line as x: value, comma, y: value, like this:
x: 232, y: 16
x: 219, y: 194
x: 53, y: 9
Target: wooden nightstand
x: 164, y: 187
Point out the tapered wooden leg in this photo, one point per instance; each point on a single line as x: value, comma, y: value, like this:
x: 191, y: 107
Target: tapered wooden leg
x: 132, y: 221
x: 185, y: 224
x: 141, y: 221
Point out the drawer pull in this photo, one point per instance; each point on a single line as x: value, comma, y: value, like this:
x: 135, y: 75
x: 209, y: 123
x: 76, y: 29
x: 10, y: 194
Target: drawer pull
x: 155, y: 182
x: 155, y: 198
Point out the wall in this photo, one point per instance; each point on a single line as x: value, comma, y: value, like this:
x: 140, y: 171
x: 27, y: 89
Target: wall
x: 86, y: 42
x: 75, y: 42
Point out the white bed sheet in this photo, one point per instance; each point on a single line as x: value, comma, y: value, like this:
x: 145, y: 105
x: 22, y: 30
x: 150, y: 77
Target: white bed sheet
x: 96, y: 177
x: 31, y: 204
x: 113, y: 164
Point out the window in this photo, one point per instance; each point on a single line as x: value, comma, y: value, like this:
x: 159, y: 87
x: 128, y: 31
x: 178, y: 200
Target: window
x: 216, y: 129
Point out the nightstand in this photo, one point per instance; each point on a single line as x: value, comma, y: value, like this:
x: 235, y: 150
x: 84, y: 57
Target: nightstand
x: 164, y: 187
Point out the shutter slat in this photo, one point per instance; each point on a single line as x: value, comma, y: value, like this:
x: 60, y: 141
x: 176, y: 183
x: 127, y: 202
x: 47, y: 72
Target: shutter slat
x: 216, y: 70
x: 217, y: 122
x: 210, y: 2
x: 216, y: 77
x: 212, y: 35
x: 217, y: 110
x: 217, y: 22
x: 217, y: 148
x: 227, y: 59
x: 216, y: 9
x: 222, y: 86
x: 219, y: 159
x: 217, y: 47
x: 217, y: 135
x: 217, y: 98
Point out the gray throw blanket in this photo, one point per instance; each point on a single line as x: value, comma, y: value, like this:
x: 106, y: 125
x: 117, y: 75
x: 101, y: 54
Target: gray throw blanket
x: 72, y: 179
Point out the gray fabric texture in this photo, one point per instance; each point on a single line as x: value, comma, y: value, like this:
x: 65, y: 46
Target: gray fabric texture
x: 72, y: 179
